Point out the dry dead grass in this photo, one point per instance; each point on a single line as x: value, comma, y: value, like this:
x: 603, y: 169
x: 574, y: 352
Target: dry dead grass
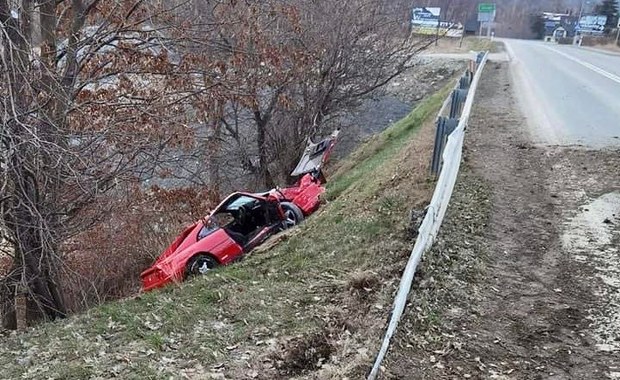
x: 451, y: 45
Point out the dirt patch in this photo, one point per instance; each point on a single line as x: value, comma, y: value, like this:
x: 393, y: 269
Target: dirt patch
x: 303, y: 354
x: 512, y: 300
x: 608, y: 47
x: 593, y: 238
x: 362, y: 283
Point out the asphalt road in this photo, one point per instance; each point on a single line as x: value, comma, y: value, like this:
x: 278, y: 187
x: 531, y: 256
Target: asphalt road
x: 570, y: 95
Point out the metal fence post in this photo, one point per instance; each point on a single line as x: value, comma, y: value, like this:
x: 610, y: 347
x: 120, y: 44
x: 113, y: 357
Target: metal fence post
x: 454, y: 104
x: 438, y: 149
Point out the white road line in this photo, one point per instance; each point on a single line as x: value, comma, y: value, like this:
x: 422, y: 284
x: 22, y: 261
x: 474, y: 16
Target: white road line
x: 590, y: 66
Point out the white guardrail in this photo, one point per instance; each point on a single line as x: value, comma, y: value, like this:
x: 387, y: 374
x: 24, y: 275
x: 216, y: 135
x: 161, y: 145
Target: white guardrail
x: 432, y: 221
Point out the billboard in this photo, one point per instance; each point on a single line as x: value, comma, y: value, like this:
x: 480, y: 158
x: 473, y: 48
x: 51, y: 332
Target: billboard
x: 591, y: 24
x: 553, y: 21
x: 426, y: 20
x: 425, y: 17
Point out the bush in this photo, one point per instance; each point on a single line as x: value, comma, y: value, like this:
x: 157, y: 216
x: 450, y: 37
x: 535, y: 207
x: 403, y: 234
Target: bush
x: 597, y: 40
x: 104, y: 262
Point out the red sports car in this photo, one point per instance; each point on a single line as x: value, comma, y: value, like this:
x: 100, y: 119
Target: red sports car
x: 241, y: 222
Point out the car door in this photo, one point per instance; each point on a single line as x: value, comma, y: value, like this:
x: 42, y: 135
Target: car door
x: 315, y: 155
x: 220, y: 245
x: 264, y: 217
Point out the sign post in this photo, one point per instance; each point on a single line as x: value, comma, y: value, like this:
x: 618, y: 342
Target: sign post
x: 486, y: 14
x: 437, y: 32
x: 486, y: 8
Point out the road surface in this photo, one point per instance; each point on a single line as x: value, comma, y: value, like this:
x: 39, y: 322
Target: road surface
x: 525, y: 272
x: 570, y: 95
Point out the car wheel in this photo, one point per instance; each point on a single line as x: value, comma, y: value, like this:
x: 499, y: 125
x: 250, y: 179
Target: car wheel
x: 200, y: 265
x: 292, y: 215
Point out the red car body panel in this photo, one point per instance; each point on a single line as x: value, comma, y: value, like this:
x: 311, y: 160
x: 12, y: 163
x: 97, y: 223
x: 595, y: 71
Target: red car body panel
x: 171, y: 265
x: 306, y: 195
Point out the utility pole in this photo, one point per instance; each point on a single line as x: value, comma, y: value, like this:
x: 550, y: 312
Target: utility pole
x: 463, y: 34
x: 579, y: 38
x: 583, y: 2
x: 437, y: 32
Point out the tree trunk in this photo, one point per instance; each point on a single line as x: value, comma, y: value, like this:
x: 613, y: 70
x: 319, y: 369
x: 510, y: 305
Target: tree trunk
x: 214, y: 148
x: 33, y: 279
x: 265, y: 178
x: 35, y: 257
x: 21, y: 312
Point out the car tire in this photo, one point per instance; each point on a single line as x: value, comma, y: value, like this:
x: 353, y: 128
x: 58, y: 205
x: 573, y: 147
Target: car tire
x: 200, y: 265
x: 292, y: 215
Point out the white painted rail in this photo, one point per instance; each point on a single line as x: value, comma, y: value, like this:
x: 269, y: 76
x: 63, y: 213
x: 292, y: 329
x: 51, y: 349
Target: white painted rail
x: 432, y: 221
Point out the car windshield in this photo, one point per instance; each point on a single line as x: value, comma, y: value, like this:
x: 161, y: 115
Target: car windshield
x: 241, y: 201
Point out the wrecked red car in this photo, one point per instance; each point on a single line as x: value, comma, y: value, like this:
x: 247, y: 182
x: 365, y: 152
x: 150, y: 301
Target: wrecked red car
x: 241, y: 222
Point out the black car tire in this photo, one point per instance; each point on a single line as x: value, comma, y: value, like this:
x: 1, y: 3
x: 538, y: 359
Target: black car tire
x: 292, y: 215
x: 200, y: 265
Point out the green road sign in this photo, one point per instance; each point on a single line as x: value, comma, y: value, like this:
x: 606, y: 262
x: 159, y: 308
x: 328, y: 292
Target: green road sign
x: 486, y: 8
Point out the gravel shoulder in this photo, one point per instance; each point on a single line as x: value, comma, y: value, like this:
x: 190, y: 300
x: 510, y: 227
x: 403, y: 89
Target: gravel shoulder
x: 523, y: 282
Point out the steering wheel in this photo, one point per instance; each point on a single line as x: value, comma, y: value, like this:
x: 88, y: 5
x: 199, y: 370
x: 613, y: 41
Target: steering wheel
x: 242, y: 215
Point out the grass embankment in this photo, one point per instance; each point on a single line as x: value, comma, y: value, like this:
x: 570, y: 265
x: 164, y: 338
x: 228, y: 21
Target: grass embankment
x: 316, y: 303
x: 453, y: 45
x: 484, y: 44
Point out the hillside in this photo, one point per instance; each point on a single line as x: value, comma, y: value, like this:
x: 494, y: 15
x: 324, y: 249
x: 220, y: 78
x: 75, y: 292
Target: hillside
x: 315, y: 304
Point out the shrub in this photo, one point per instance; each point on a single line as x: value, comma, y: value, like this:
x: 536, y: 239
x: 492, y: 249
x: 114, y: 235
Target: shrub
x: 104, y: 262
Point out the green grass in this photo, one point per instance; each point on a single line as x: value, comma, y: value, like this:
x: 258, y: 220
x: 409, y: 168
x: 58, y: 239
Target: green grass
x: 288, y: 291
x: 370, y: 156
x: 484, y: 44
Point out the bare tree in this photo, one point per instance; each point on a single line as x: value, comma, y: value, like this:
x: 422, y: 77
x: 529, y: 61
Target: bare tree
x: 94, y: 105
x: 291, y: 69
x: 97, y: 97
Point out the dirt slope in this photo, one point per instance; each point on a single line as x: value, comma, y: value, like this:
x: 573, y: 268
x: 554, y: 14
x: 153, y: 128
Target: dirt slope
x: 523, y: 283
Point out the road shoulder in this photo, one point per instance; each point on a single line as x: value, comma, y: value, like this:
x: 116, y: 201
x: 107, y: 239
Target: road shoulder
x: 603, y: 50
x: 502, y: 295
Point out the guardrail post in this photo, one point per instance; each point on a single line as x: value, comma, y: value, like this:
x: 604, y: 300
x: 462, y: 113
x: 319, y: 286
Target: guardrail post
x: 458, y: 99
x: 465, y: 80
x: 449, y: 125
x: 454, y: 104
x: 445, y: 126
x: 438, y: 148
